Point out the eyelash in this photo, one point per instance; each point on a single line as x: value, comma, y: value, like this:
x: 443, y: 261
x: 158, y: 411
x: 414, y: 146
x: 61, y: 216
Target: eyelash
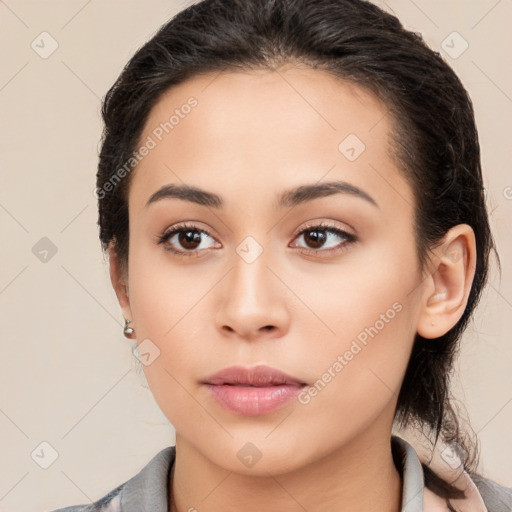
x: 322, y: 226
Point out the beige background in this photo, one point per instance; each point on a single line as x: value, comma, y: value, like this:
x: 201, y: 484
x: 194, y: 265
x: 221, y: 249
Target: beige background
x: 67, y: 374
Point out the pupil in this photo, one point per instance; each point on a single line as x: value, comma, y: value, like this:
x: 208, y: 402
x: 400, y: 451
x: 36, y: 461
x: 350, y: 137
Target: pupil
x: 187, y: 238
x: 317, y: 237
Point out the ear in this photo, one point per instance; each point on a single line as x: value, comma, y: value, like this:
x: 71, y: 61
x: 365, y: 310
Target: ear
x: 447, y: 288
x: 119, y: 279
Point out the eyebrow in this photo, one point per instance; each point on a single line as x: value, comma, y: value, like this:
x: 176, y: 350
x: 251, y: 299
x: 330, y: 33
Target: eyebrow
x: 289, y: 198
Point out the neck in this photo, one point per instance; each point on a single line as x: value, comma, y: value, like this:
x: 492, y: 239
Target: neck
x: 360, y: 476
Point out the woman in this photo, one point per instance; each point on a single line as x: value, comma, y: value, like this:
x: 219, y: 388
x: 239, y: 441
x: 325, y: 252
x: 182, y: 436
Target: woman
x: 291, y: 198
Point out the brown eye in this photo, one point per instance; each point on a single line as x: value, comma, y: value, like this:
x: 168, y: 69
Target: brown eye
x: 186, y: 240
x: 315, y: 238
x: 189, y: 239
x: 324, y: 239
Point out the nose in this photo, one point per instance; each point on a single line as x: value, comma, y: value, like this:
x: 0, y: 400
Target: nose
x: 252, y: 301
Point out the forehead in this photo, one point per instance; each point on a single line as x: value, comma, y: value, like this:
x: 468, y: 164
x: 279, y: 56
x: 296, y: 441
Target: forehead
x: 265, y: 130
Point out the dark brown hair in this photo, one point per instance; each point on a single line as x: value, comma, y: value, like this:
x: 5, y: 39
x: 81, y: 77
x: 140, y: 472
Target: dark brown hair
x: 435, y: 141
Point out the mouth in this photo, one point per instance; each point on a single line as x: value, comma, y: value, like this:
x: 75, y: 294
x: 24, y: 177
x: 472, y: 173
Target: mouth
x: 256, y: 377
x: 253, y: 391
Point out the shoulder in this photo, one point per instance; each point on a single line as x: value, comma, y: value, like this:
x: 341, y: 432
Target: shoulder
x: 497, y: 498
x: 111, y: 502
x: 480, y: 493
x: 147, y: 490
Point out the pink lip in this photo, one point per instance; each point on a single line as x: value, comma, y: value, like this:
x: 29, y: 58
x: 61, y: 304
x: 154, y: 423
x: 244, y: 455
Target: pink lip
x: 252, y: 391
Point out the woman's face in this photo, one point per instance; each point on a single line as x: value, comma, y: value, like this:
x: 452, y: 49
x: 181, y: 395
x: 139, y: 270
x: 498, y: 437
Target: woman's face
x: 255, y: 281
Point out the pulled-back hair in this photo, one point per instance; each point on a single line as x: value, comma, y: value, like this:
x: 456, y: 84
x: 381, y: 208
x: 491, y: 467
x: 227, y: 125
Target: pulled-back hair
x: 434, y: 142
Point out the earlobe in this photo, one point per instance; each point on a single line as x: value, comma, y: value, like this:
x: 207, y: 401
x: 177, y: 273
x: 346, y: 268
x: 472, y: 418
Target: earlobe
x: 119, y: 282
x: 447, y: 288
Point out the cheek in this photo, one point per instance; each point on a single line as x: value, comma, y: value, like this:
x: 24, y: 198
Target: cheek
x: 161, y: 293
x: 166, y: 333
x: 358, y: 375
x: 369, y: 294
x: 166, y: 301
x: 370, y: 312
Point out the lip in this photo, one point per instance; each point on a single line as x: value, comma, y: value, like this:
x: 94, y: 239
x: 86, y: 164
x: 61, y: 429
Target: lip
x: 257, y: 376
x: 253, y: 391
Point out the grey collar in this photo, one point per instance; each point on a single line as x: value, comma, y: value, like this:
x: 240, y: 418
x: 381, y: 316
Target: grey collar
x: 148, y: 490
x: 409, y: 466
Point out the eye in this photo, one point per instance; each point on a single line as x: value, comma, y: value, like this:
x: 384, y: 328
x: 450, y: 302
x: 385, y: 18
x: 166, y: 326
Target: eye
x: 186, y: 240
x: 324, y: 238
x: 189, y: 240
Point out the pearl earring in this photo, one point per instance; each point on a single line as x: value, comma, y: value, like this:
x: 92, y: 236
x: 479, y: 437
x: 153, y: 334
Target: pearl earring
x: 128, y: 330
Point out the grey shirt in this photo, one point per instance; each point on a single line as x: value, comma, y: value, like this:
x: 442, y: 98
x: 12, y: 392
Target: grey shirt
x: 148, y: 490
